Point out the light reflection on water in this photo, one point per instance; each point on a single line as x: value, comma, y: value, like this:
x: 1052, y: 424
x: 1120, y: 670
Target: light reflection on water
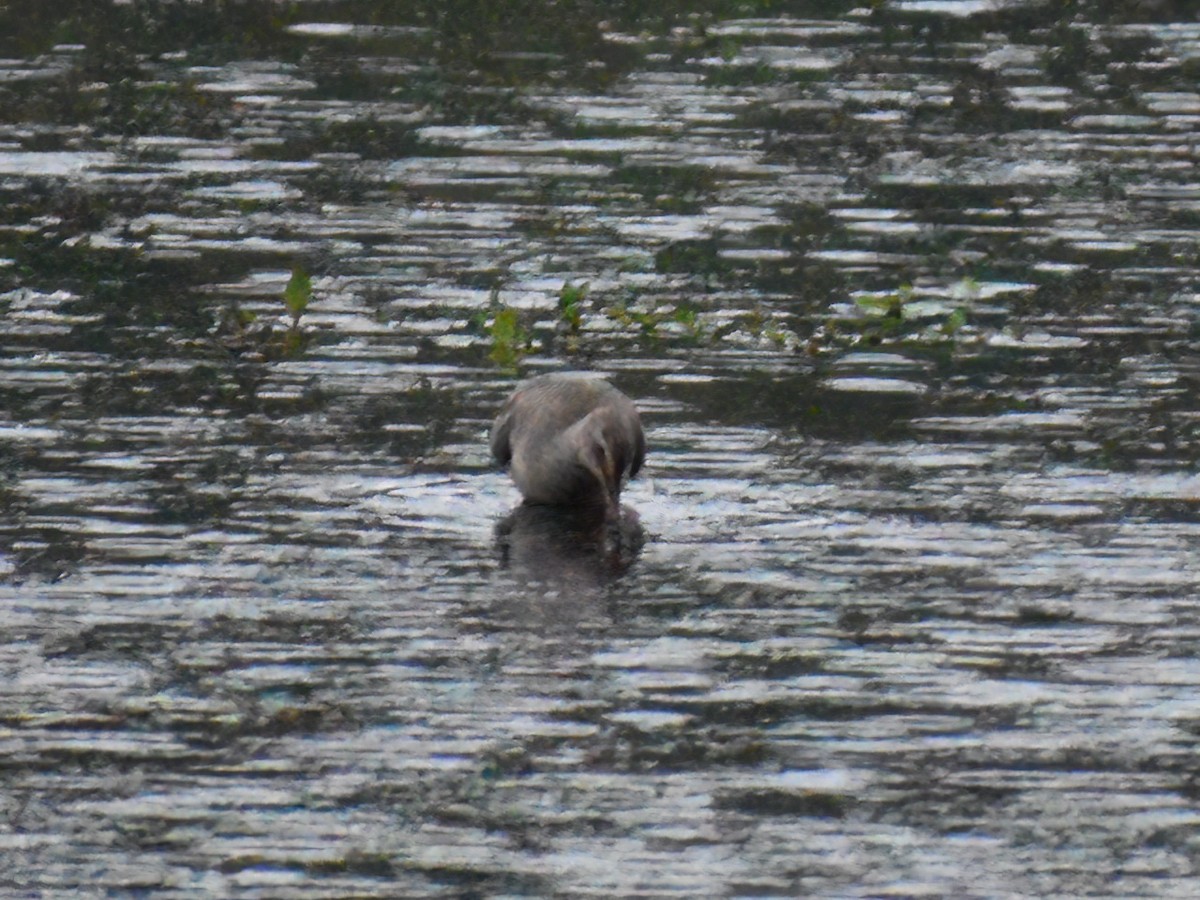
x: 910, y: 606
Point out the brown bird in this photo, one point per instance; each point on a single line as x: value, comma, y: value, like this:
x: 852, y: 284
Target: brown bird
x: 570, y: 441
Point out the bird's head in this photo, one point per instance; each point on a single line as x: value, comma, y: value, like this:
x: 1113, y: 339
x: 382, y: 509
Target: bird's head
x: 601, y: 458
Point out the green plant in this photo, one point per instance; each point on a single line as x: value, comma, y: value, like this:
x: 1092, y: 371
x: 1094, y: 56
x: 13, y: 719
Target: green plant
x: 954, y: 322
x: 687, y: 316
x: 570, y: 298
x: 510, y: 340
x: 296, y: 297
x: 648, y: 322
x: 889, y: 306
x: 902, y: 315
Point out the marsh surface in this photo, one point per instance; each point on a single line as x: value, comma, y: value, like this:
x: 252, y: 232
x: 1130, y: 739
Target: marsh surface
x: 909, y: 298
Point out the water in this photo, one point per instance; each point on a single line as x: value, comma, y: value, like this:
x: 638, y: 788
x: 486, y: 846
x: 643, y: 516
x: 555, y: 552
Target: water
x: 908, y: 300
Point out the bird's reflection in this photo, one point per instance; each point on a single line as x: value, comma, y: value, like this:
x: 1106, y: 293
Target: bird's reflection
x: 567, y: 550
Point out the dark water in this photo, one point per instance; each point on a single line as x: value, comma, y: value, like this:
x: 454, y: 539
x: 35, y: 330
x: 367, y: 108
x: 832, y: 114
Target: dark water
x: 909, y: 296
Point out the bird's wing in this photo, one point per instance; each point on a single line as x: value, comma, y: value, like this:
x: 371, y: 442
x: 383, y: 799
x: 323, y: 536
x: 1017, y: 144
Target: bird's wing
x: 501, y: 433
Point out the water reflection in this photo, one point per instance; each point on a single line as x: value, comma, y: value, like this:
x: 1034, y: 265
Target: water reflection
x: 563, y: 552
x: 909, y: 290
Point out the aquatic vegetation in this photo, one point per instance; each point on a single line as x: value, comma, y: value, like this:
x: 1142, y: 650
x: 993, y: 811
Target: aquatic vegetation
x: 510, y: 339
x: 689, y: 317
x: 296, y: 297
x: 899, y: 316
x: 242, y: 332
x: 902, y: 314
x: 889, y: 306
x: 646, y: 320
x: 570, y: 298
x: 955, y: 321
x: 759, y: 325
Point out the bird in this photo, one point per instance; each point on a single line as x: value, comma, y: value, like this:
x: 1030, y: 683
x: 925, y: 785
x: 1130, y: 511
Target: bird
x: 570, y: 441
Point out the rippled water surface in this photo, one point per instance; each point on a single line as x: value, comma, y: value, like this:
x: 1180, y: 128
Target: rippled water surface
x: 908, y: 294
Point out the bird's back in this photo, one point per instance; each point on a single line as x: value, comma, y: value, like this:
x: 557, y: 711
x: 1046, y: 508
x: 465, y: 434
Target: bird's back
x: 529, y: 432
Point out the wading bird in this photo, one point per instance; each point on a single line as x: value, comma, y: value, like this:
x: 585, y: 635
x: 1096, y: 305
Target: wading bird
x: 570, y: 441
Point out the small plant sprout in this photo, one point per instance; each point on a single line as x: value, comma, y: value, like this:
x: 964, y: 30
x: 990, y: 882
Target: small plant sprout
x: 647, y: 322
x: 687, y: 316
x: 570, y: 300
x: 955, y: 321
x: 296, y: 296
x: 889, y: 306
x: 901, y: 315
x: 510, y: 341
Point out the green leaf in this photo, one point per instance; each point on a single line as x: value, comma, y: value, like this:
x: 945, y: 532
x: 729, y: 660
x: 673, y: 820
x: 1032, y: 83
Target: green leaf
x: 505, y: 326
x: 880, y: 304
x: 955, y: 321
x: 509, y: 339
x: 572, y: 294
x: 298, y: 292
x: 569, y: 299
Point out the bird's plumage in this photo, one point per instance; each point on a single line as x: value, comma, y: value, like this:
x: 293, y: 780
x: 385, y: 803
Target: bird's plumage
x: 569, y: 440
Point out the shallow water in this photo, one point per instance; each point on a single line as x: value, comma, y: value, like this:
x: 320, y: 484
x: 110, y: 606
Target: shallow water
x: 908, y: 300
